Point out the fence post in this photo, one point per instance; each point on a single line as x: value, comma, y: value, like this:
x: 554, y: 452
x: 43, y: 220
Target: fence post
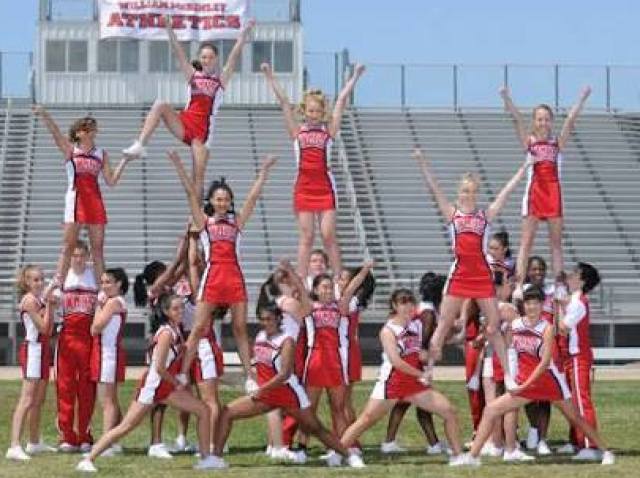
x: 506, y: 76
x: 455, y: 87
x: 403, y: 99
x: 608, y: 86
x: 1, y: 85
x: 556, y: 75
x: 336, y: 70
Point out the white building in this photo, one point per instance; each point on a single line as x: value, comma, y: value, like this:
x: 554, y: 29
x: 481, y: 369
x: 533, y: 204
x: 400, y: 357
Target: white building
x: 73, y: 66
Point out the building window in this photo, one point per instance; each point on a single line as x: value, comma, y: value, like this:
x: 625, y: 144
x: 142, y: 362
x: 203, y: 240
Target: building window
x: 162, y: 59
x: 76, y: 55
x: 129, y: 56
x: 118, y: 55
x: 56, y: 55
x: 279, y: 54
x: 225, y: 47
x: 108, y: 55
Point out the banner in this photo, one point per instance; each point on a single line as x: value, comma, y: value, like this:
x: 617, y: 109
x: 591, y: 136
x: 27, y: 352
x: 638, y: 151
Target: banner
x: 192, y: 19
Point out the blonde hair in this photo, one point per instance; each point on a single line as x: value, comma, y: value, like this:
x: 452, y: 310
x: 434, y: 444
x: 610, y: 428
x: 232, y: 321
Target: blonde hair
x: 21, y: 279
x: 541, y: 106
x: 469, y: 177
x: 315, y: 95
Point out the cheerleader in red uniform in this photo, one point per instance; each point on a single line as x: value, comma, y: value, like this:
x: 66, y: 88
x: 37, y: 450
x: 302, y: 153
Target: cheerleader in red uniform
x: 34, y: 356
x: 84, y: 162
x: 542, y: 199
x: 431, y: 286
x: 538, y: 379
x: 314, y: 195
x: 470, y: 275
x: 108, y: 359
x: 401, y: 377
x: 160, y: 385
x: 194, y: 125
x: 222, y: 283
x: 327, y: 345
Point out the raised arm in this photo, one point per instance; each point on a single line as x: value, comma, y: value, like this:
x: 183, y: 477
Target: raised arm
x: 230, y: 65
x: 352, y: 286
x: 501, y: 199
x: 285, y: 105
x: 296, y: 283
x: 521, y: 131
x: 63, y: 143
x: 250, y: 203
x: 192, y: 197
x: 446, y: 208
x: 112, y: 177
x: 572, y: 117
x: 343, y: 97
x: 185, y: 66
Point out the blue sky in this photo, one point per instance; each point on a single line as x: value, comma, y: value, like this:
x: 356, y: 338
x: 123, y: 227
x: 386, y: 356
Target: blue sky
x: 491, y: 32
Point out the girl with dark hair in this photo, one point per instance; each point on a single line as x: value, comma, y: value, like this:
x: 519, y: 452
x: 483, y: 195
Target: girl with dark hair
x: 108, y: 360
x: 401, y: 377
x: 537, y: 379
x: 206, y: 85
x: 431, y: 286
x: 470, y: 276
x: 222, y: 282
x: 160, y: 385
x: 278, y: 388
x: 84, y: 162
x: 542, y: 199
x: 314, y: 196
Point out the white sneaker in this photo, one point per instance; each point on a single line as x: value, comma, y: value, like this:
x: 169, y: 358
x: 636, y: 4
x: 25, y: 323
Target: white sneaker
x: 85, y: 447
x: 329, y: 452
x: 389, y: 447
x: 566, y: 449
x: 268, y: 451
x: 474, y: 383
x: 333, y: 459
x: 66, y: 447
x: 211, y: 462
x: 181, y: 445
x: 608, y: 458
x: 159, y: 450
x: 354, y: 450
x: 117, y: 448
x: 36, y: 448
x: 532, y: 438
x: 543, y: 449
x: 489, y: 449
x: 516, y: 456
x: 355, y: 461
x: 464, y: 459
x: 436, y: 449
x: 587, y: 454
x: 299, y: 457
x: 17, y: 453
x: 86, y: 466
x: 250, y: 386
x: 111, y: 451
x: 136, y: 150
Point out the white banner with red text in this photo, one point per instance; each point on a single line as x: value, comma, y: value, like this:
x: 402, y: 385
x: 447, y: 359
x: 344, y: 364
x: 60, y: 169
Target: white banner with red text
x: 198, y: 20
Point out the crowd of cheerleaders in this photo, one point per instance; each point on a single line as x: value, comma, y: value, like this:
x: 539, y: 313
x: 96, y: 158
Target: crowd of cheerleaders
x: 517, y: 353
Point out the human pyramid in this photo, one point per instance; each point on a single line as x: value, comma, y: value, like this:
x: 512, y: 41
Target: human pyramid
x: 526, y: 342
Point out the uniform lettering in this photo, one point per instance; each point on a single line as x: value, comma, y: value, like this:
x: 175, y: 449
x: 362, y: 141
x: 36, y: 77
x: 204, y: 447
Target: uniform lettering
x: 326, y: 318
x: 475, y: 224
x: 222, y: 231
x: 544, y: 152
x: 312, y: 139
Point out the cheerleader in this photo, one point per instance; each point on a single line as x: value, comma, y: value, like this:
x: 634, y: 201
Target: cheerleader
x: 470, y: 276
x: 160, y: 385
x: 222, y: 282
x: 34, y: 356
x: 278, y: 388
x: 542, y: 200
x: 195, y: 124
x: 314, y: 196
x: 537, y: 379
x: 108, y: 359
x: 401, y: 377
x: 84, y: 162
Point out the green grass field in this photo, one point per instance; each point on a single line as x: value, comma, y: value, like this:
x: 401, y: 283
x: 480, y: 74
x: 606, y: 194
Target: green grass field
x: 618, y: 406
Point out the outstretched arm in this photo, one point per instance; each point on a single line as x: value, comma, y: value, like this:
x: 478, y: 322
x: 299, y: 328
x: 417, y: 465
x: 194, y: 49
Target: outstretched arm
x: 294, y: 280
x: 572, y: 117
x: 521, y: 131
x: 285, y: 105
x: 112, y: 177
x: 501, y: 199
x: 341, y: 101
x: 446, y: 208
x: 250, y: 203
x: 60, y: 139
x: 186, y: 67
x: 192, y: 196
x: 353, y: 285
x: 230, y: 66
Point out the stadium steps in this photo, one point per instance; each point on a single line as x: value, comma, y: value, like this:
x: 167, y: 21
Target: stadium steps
x: 17, y: 128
